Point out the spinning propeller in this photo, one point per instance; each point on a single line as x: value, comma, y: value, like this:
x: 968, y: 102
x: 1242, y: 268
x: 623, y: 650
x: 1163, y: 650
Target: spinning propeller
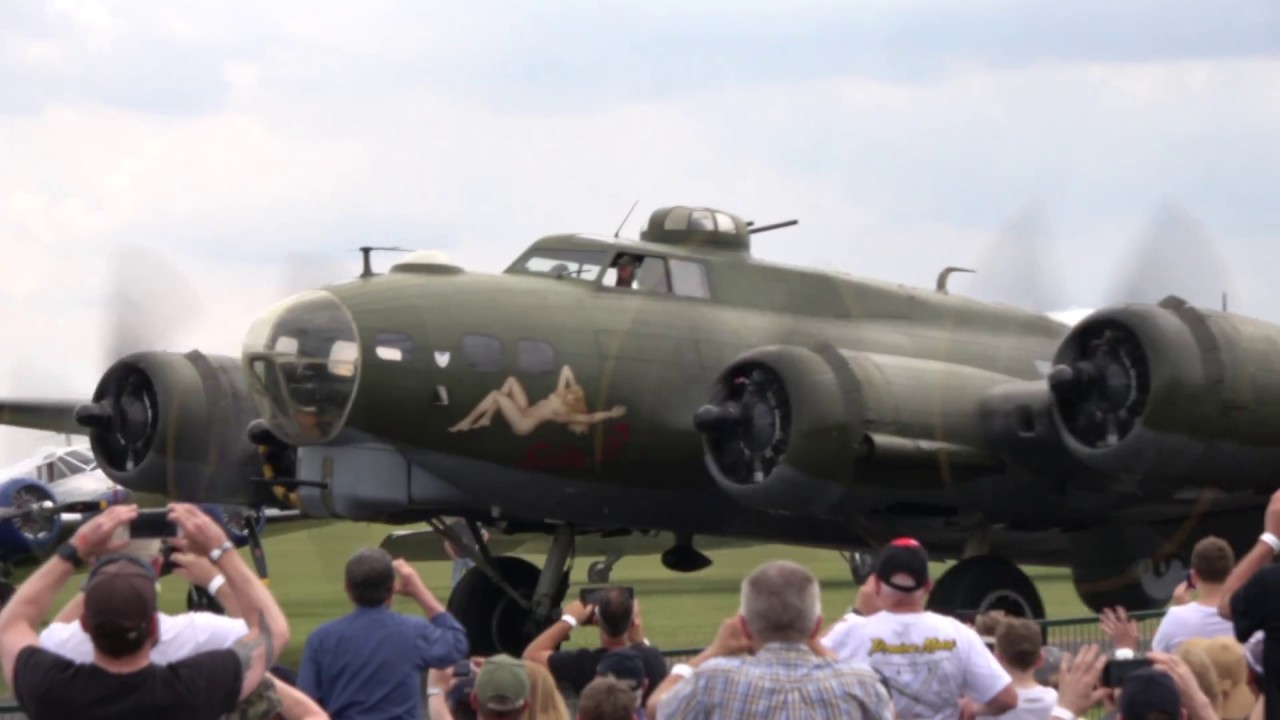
x: 1173, y: 254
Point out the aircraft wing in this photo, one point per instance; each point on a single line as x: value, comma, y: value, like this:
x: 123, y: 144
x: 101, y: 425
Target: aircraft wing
x: 56, y: 416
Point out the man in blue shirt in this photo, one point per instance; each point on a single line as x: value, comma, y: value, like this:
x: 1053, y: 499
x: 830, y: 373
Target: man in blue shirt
x: 369, y: 664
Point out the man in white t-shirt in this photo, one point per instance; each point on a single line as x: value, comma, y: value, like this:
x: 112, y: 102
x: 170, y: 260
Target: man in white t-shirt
x: 929, y: 662
x: 180, y: 636
x: 864, y: 607
x: 1211, y: 562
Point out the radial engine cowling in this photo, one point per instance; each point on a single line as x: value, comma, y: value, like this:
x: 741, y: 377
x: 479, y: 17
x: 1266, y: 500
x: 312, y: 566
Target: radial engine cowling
x: 776, y: 431
x: 174, y: 424
x: 1171, y: 392
x: 28, y: 532
x: 788, y: 427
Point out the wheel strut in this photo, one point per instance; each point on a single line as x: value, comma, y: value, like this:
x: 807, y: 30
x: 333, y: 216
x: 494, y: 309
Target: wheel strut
x: 479, y: 555
x: 546, y: 592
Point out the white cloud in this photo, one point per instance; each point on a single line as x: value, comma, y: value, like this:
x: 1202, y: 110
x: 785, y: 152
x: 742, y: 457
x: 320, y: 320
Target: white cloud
x: 317, y: 131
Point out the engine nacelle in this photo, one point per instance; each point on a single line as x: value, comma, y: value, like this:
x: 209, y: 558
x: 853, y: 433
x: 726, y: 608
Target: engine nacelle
x: 788, y: 427
x: 34, y: 533
x: 1171, y: 392
x: 174, y: 424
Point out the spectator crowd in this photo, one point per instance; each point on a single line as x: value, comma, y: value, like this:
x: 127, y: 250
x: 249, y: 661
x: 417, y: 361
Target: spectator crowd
x: 109, y: 652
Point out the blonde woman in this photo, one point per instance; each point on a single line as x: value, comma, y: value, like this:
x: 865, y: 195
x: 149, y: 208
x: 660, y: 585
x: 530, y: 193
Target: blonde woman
x: 545, y: 702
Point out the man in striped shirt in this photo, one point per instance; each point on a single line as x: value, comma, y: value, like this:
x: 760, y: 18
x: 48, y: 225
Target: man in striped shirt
x: 788, y: 674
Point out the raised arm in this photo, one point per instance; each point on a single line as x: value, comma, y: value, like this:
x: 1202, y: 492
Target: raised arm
x: 72, y: 611
x: 575, y: 614
x: 32, y: 601
x: 295, y: 705
x: 268, y: 628
x: 200, y: 571
x: 443, y: 640
x: 1262, y: 554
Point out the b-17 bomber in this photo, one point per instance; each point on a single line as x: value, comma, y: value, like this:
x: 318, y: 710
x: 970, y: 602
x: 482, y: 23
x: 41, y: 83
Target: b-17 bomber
x: 678, y: 385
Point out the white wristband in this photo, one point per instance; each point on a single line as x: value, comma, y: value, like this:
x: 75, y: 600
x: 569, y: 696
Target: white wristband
x: 216, y: 584
x: 1271, y: 540
x: 573, y: 621
x: 681, y: 670
x: 1061, y: 713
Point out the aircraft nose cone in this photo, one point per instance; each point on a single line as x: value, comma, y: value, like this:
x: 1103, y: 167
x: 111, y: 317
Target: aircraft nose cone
x: 302, y: 361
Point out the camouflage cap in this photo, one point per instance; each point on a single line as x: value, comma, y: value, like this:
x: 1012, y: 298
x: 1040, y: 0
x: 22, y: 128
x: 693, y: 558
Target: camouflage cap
x: 262, y: 704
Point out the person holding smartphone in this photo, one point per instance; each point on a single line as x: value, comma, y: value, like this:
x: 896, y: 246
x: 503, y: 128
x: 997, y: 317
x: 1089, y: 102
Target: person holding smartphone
x: 615, y: 611
x: 120, y: 616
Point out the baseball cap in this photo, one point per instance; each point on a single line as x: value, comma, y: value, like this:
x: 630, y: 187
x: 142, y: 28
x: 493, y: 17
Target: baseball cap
x: 119, y: 603
x: 904, y: 556
x: 503, y: 684
x: 1148, y: 692
x: 459, y: 694
x: 624, y: 664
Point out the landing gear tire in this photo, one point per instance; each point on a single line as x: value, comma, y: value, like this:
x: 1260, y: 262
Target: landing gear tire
x: 496, y: 622
x: 1140, y: 586
x: 1124, y: 566
x: 861, y: 565
x: 598, y: 572
x: 984, y: 583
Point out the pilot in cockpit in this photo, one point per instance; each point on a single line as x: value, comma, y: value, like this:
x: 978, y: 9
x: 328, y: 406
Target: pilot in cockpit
x: 626, y: 266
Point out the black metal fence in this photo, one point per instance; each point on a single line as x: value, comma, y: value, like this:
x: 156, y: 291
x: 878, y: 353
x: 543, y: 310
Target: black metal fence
x: 1066, y: 635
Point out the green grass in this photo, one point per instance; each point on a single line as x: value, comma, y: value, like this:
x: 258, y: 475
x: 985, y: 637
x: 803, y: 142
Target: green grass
x: 679, y: 611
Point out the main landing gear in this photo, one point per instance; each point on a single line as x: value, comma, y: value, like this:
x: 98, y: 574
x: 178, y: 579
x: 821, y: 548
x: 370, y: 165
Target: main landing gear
x: 505, y: 602
x: 986, y: 582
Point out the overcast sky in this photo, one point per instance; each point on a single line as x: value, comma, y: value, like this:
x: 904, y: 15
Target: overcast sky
x: 258, y: 144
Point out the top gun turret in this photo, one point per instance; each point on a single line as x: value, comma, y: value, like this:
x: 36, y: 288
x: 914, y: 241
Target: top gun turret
x: 703, y: 228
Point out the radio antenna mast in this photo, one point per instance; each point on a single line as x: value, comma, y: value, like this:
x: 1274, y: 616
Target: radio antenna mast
x: 618, y: 232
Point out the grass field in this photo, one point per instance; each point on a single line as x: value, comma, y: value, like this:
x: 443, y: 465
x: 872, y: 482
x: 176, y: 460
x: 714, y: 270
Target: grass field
x: 680, y: 611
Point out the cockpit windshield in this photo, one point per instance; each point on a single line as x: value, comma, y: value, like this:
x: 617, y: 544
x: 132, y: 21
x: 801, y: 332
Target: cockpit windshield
x: 575, y: 264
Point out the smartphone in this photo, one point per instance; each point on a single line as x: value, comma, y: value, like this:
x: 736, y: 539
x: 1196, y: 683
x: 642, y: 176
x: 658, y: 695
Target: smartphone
x: 968, y: 617
x: 1191, y: 581
x: 462, y: 669
x: 1117, y: 671
x: 587, y: 595
x: 152, y: 524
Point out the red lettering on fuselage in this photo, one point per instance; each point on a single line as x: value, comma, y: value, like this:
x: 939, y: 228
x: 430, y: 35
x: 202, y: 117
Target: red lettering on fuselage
x: 551, y: 457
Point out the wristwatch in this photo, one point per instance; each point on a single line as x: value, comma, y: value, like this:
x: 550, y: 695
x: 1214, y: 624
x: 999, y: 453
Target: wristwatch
x: 68, y: 552
x: 219, y: 551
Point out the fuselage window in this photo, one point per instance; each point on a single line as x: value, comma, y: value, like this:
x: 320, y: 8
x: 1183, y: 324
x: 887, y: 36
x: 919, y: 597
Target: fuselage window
x: 724, y: 223
x: 639, y: 272
x: 702, y: 220
x: 392, y: 346
x: 575, y: 264
x: 535, y: 356
x: 677, y: 219
x: 689, y: 279
x: 482, y: 352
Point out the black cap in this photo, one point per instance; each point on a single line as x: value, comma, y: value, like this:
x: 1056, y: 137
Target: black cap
x: 1147, y: 692
x: 904, y: 556
x: 624, y: 664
